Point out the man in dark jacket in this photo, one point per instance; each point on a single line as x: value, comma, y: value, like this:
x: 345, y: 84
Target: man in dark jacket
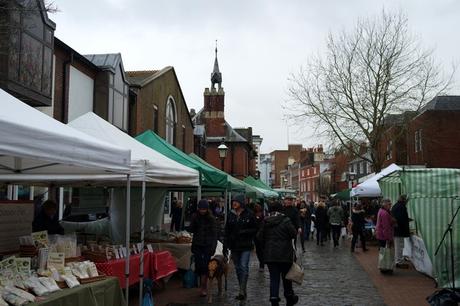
x: 240, y: 232
x: 292, y: 212
x: 47, y: 219
x: 277, y: 234
x: 399, y: 212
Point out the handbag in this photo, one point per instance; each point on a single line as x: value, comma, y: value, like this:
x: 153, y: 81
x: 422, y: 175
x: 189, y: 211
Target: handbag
x: 386, y: 259
x: 296, y: 272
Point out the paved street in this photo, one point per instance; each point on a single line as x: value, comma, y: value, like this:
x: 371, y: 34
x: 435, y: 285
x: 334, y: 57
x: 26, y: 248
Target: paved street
x: 333, y: 277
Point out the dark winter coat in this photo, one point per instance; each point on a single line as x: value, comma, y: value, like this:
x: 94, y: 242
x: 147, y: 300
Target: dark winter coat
x: 358, y: 221
x: 276, y: 236
x: 44, y: 223
x: 399, y: 212
x: 240, y: 231
x: 205, y: 231
x: 293, y: 213
x: 321, y: 219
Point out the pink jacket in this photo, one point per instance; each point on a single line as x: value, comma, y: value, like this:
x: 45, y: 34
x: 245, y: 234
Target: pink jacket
x: 384, y: 228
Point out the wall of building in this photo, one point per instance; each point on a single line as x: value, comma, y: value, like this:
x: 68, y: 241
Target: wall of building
x: 81, y: 92
x: 157, y: 93
x: 237, y: 161
x: 440, y: 139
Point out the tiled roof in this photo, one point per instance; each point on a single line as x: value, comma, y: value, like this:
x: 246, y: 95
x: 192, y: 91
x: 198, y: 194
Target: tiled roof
x: 139, y: 76
x: 443, y: 103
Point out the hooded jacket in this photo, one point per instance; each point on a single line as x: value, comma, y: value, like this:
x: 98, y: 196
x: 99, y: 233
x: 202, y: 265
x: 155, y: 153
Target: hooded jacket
x: 399, y: 212
x: 357, y: 220
x: 205, y: 231
x: 276, y: 236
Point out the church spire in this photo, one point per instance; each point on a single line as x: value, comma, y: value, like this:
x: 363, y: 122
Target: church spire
x: 216, y: 76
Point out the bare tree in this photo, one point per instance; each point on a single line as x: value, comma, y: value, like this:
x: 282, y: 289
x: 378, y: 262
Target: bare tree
x: 377, y: 69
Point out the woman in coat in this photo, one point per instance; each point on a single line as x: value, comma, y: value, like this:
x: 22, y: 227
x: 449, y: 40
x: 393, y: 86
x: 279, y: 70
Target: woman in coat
x: 277, y: 234
x: 384, y: 229
x: 205, y: 233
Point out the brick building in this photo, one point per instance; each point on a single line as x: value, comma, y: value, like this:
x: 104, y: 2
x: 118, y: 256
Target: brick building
x: 280, y: 159
x: 430, y: 138
x: 159, y: 105
x: 211, y: 129
x: 315, y: 175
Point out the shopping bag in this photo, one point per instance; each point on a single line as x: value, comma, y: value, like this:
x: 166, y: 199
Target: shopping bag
x: 296, y: 272
x: 343, y: 232
x: 386, y: 259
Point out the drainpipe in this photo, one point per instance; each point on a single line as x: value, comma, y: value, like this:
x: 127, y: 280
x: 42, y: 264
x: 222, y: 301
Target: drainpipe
x: 65, y: 89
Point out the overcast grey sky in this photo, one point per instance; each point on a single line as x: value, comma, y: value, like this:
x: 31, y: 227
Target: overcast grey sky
x: 261, y: 42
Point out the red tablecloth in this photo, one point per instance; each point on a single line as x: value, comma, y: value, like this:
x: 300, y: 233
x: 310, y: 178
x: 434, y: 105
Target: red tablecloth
x: 162, y: 264
x: 156, y: 266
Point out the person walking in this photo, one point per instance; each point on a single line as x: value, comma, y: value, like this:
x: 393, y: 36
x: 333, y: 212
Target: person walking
x: 305, y: 223
x: 176, y: 215
x: 205, y: 233
x: 277, y: 234
x: 335, y: 215
x: 291, y: 211
x: 259, y: 216
x: 357, y: 227
x: 240, y: 231
x: 384, y: 228
x: 399, y: 212
x: 320, y: 223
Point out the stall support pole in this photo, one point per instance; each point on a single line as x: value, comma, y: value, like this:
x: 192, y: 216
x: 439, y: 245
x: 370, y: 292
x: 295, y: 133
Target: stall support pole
x: 46, y: 194
x: 141, y: 250
x: 128, y: 228
x: 15, y: 192
x: 225, y: 207
x: 61, y: 203
x: 198, y: 195
x: 228, y: 204
x: 9, y: 192
x: 31, y: 193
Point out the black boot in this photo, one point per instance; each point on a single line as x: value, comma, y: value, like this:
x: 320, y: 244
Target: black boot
x: 275, y: 301
x: 291, y: 300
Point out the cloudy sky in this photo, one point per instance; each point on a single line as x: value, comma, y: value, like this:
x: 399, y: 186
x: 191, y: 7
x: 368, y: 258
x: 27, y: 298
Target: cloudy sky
x: 261, y: 42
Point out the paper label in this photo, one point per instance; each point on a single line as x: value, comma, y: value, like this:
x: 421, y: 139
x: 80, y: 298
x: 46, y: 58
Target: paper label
x: 40, y: 238
x: 56, y: 260
x: 150, y: 248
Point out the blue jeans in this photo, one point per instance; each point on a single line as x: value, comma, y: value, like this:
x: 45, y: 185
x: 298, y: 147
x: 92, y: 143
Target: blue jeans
x: 278, y: 271
x: 241, y: 262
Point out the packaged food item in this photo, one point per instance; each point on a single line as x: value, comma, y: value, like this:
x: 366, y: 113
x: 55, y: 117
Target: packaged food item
x: 19, y: 292
x: 49, y: 283
x: 55, y: 274
x: 23, y: 265
x: 42, y: 258
x: 13, y: 299
x: 37, y: 287
x: 70, y: 280
x: 92, y: 270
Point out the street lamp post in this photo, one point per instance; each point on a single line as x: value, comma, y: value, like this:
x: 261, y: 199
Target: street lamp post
x: 223, y: 149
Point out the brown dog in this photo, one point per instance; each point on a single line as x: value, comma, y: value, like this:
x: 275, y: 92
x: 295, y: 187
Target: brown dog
x: 217, y: 268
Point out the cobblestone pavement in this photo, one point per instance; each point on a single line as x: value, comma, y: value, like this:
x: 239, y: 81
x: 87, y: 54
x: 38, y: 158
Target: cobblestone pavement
x: 332, y: 277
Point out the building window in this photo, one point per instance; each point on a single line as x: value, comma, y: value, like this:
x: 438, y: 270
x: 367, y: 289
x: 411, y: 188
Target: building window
x: 389, y: 154
x: 171, y: 120
x: 418, y: 141
x: 364, y: 165
x: 155, y: 119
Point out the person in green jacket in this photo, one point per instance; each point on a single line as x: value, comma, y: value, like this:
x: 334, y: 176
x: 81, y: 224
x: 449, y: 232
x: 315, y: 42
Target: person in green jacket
x: 335, y: 214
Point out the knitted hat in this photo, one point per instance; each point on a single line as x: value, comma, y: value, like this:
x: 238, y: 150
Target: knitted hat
x: 203, y: 204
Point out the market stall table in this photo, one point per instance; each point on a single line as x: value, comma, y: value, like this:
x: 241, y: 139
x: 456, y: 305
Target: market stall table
x: 157, y: 265
x: 103, y: 292
x: 181, y: 252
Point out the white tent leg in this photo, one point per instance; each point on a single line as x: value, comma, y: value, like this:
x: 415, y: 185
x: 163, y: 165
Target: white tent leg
x: 128, y: 229
x: 141, y: 268
x: 31, y: 193
x: 198, y: 195
x: 9, y: 192
x: 70, y: 195
x: 61, y: 203
x: 15, y: 192
x: 46, y: 195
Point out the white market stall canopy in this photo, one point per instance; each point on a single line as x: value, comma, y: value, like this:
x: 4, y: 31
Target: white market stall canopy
x: 370, y: 187
x: 158, y: 168
x: 32, y: 143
